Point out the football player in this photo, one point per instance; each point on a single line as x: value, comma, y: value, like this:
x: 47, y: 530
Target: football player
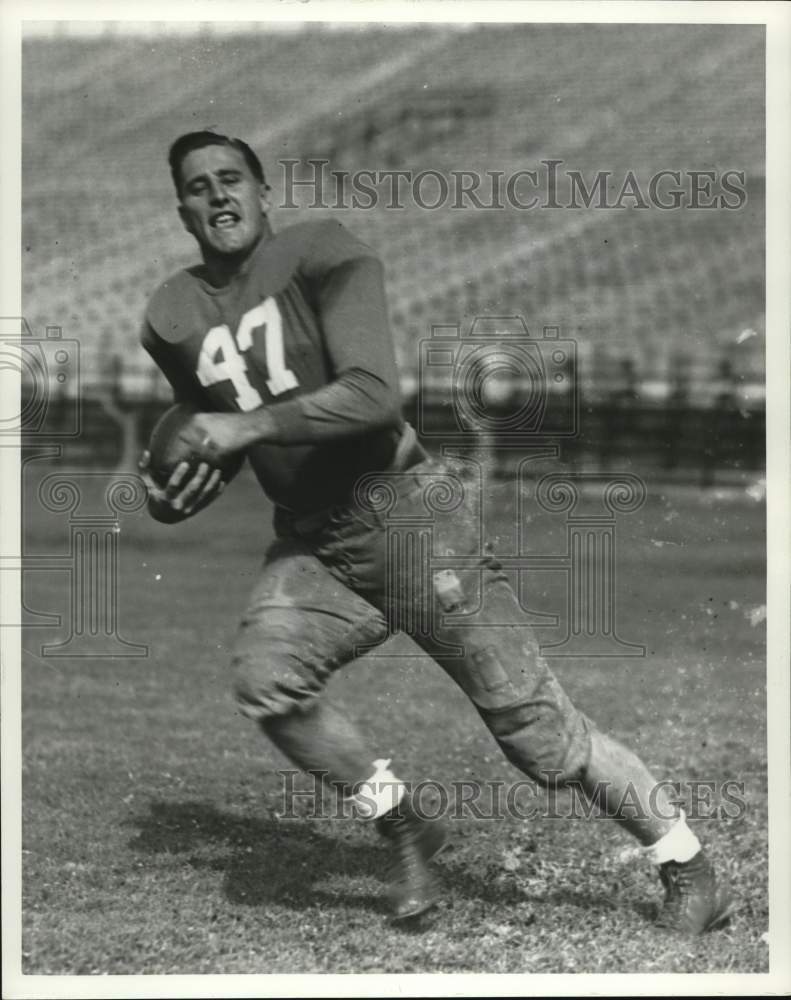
x: 281, y: 341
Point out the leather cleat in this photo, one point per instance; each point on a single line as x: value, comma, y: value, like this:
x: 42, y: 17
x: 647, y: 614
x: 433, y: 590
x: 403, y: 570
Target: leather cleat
x: 694, y: 902
x: 414, y: 841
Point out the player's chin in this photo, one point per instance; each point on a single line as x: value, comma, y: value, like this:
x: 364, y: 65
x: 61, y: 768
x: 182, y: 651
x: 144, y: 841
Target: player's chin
x: 231, y: 241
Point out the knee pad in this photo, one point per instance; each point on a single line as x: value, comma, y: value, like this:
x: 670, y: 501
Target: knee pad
x: 269, y: 683
x: 549, y: 742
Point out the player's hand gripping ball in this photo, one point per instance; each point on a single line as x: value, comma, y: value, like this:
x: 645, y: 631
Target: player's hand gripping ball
x: 182, y: 470
x: 176, y: 439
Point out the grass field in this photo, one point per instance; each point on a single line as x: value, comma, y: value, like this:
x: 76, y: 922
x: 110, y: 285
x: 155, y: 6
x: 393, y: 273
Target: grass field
x: 151, y: 837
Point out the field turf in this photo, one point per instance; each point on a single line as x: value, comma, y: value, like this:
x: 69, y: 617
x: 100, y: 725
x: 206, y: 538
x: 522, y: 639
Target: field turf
x: 151, y: 836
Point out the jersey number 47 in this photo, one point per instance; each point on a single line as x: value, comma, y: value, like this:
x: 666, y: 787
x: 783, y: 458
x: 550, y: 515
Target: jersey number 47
x: 222, y: 355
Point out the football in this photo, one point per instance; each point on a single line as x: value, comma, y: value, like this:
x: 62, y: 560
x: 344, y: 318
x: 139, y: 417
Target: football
x: 174, y: 440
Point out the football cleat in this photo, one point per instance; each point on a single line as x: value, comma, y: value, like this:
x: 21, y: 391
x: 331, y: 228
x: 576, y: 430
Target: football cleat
x: 694, y: 903
x: 412, y: 886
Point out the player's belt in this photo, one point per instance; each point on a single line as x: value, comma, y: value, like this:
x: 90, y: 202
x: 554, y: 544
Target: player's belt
x: 409, y: 452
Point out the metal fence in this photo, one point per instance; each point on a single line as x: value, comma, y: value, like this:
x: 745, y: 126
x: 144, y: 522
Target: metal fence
x: 695, y: 429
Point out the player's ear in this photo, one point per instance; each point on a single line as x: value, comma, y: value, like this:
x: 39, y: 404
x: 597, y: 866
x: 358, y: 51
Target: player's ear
x: 264, y: 199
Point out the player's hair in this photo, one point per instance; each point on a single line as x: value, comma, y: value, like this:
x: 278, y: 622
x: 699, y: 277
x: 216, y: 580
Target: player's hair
x: 185, y: 144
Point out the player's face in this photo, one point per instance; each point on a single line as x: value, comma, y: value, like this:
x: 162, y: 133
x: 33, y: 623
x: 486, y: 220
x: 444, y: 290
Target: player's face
x: 222, y: 203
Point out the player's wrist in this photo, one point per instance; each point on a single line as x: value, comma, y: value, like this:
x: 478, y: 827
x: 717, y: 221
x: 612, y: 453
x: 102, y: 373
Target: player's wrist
x: 259, y: 427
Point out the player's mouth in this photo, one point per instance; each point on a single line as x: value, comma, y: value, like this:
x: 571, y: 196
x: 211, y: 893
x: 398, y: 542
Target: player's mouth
x: 224, y: 220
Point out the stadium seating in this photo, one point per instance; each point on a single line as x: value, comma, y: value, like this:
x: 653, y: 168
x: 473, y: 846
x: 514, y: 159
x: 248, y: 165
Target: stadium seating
x: 649, y: 287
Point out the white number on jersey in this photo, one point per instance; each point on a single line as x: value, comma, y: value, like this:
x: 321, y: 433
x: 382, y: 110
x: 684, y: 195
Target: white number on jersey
x: 221, y: 356
x: 267, y: 315
x: 220, y: 361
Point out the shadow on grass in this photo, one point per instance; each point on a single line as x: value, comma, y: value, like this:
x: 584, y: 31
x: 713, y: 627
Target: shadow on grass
x: 285, y: 862
x: 263, y: 860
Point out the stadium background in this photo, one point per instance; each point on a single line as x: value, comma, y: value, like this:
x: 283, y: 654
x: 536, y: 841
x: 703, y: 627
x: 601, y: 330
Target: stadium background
x: 666, y: 307
x: 150, y: 830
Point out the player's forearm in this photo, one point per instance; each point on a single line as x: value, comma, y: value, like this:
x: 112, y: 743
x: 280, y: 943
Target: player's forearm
x: 355, y: 403
x: 350, y: 406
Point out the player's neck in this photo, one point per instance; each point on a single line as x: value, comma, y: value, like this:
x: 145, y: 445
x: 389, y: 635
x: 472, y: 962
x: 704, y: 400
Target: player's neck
x: 221, y: 269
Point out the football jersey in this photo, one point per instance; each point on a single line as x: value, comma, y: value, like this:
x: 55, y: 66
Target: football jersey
x: 301, y: 329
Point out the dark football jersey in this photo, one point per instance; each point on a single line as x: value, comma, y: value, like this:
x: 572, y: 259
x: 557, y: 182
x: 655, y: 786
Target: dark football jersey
x: 301, y: 329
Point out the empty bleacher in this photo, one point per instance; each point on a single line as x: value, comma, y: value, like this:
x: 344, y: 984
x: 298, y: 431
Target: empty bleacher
x: 656, y: 290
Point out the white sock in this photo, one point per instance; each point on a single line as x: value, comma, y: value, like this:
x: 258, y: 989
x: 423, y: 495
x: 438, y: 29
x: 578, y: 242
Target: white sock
x: 678, y: 844
x: 379, y: 794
